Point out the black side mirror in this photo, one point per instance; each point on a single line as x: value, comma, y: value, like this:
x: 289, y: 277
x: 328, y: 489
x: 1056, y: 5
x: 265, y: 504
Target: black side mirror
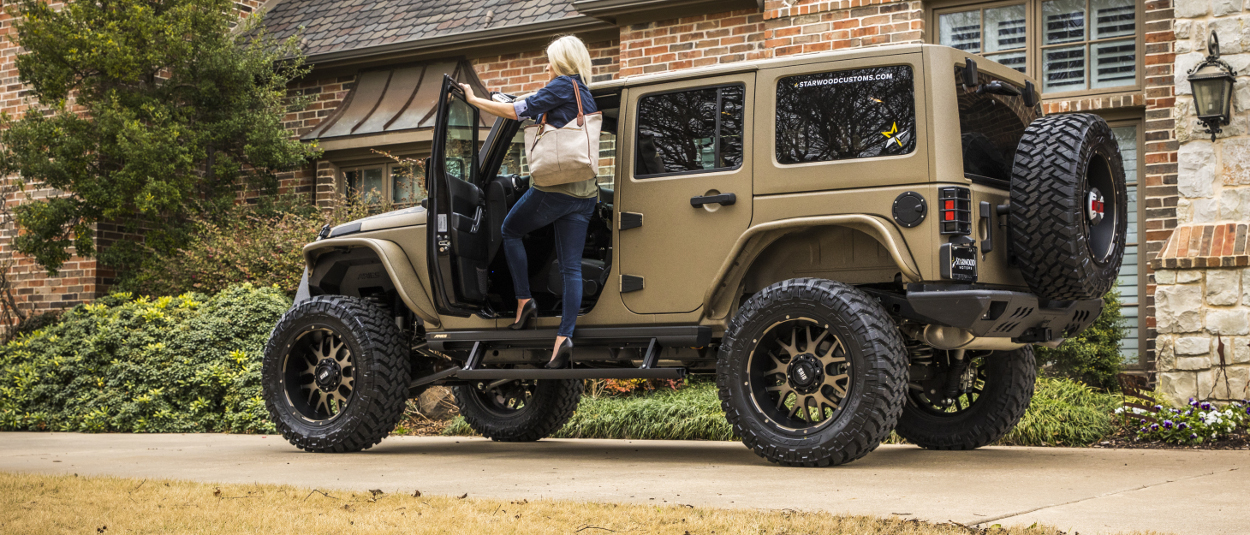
x: 971, y: 74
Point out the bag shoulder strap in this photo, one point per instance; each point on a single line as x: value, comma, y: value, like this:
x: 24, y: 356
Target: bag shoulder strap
x: 577, y: 94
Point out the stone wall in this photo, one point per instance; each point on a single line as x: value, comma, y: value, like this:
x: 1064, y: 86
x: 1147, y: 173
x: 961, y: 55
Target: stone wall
x: 1202, y: 296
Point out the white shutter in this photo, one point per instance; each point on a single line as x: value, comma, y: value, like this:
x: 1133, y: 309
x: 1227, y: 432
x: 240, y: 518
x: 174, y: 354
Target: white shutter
x: 1115, y: 62
x: 961, y: 30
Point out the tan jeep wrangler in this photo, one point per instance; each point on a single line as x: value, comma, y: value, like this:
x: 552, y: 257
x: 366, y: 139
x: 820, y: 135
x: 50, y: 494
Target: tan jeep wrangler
x: 853, y: 242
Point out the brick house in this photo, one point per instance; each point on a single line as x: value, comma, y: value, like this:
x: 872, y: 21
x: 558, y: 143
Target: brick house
x: 375, y: 63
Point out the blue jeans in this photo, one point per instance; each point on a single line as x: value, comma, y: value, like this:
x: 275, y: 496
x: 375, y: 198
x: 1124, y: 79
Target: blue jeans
x: 571, y: 216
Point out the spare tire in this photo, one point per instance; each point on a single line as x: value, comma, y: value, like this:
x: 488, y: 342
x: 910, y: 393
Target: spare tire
x: 1069, y: 207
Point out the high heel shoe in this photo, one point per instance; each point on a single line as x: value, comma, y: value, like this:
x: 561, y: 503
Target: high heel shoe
x: 563, y: 354
x: 528, y: 312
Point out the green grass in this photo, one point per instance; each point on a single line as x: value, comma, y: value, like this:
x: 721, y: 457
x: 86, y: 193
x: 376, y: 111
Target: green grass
x: 692, y: 413
x: 1063, y: 413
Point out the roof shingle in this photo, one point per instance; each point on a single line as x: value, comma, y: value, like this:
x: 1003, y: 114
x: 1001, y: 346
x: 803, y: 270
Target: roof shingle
x: 340, y: 25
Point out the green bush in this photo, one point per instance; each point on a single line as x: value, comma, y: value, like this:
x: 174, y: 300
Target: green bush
x: 1092, y: 357
x: 172, y: 364
x: 1063, y: 413
x: 261, y: 244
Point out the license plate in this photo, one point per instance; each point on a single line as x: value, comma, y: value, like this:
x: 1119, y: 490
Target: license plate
x: 960, y: 262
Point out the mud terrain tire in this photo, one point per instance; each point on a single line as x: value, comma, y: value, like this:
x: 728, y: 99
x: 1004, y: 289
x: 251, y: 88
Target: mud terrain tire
x: 379, y: 374
x: 550, y: 404
x: 1063, y: 251
x: 1008, y: 389
x: 871, y: 360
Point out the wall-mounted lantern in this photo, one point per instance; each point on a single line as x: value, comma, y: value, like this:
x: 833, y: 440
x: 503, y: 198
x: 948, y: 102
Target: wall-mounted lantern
x: 1212, y: 85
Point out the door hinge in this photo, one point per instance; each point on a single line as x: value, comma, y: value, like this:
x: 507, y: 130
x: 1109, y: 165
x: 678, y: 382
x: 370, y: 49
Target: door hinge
x: 631, y: 283
x: 630, y: 220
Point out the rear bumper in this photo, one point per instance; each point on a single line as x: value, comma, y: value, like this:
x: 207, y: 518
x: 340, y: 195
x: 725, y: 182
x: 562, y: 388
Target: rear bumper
x: 996, y: 313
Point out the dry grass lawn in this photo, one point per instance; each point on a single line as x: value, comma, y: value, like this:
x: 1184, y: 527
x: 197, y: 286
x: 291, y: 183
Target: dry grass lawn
x: 34, y: 504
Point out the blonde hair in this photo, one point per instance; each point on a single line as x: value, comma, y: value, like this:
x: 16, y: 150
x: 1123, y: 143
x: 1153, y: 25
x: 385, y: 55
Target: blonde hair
x: 568, y: 56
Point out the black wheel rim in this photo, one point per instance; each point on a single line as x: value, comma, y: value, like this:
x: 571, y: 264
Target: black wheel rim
x: 1100, y: 210
x: 504, y: 397
x: 931, y: 396
x: 800, y: 374
x: 319, y: 374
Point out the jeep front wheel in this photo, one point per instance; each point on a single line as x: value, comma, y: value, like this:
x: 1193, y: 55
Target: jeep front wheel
x: 335, y: 374
x: 811, y: 372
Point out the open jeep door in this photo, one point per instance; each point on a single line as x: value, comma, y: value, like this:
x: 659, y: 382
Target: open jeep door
x: 458, y: 236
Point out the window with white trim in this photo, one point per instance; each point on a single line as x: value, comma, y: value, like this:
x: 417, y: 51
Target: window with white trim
x: 373, y: 184
x: 1068, y: 45
x: 1130, y: 283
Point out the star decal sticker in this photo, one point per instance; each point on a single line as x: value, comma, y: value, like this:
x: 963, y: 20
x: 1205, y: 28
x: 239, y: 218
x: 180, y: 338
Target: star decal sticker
x: 892, y: 134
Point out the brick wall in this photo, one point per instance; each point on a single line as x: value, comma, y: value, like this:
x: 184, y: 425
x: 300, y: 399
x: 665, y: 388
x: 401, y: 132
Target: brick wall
x: 80, y: 279
x: 1161, y: 145
x: 803, y: 26
x: 694, y: 41
x: 525, y: 72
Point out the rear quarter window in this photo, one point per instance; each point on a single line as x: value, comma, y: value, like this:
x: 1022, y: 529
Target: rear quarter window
x: 847, y: 114
x: 990, y: 127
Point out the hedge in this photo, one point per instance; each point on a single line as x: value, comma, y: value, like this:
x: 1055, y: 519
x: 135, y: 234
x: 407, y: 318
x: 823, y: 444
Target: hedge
x: 166, y: 365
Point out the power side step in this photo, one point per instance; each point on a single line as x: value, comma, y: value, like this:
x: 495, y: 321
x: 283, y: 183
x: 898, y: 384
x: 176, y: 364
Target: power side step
x: 671, y: 336
x: 471, y: 372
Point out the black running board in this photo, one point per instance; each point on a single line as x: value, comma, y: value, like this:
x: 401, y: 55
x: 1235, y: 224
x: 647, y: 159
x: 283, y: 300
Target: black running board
x: 573, y: 373
x: 488, y: 374
x: 668, y: 336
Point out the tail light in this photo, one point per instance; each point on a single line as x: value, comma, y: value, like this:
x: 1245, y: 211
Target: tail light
x: 955, y: 210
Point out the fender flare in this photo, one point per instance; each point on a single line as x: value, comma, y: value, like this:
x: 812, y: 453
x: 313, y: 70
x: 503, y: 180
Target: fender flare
x: 718, y: 298
x: 397, y: 266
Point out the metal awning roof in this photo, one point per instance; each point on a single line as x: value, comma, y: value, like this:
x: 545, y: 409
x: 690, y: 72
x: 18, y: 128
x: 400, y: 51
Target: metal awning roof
x: 395, y: 100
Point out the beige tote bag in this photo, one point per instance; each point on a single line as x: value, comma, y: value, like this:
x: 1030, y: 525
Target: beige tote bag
x: 563, y: 155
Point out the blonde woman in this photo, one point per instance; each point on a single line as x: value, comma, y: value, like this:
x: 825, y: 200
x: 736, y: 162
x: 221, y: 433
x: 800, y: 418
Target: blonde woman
x: 567, y: 206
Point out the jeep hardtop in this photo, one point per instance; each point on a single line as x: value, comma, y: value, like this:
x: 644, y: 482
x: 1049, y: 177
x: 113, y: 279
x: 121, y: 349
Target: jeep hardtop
x: 853, y: 243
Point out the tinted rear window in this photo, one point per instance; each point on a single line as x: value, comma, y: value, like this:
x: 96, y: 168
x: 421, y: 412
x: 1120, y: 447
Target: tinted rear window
x: 841, y: 115
x: 990, y: 128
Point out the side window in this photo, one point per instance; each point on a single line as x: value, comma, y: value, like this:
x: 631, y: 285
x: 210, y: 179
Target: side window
x: 842, y: 115
x: 689, y: 131
x: 460, y: 147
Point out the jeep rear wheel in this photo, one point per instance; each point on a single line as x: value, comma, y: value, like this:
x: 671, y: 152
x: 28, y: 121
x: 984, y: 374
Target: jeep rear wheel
x: 1069, y: 207
x: 988, y: 394
x: 335, y: 374
x: 811, y: 373
x: 518, y: 411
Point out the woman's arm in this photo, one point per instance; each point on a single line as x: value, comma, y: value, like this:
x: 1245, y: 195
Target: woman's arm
x: 498, y: 109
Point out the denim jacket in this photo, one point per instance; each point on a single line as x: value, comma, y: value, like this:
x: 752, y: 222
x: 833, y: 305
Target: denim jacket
x: 556, y: 100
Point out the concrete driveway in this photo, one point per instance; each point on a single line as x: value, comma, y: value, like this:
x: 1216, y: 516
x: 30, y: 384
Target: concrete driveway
x: 1085, y: 490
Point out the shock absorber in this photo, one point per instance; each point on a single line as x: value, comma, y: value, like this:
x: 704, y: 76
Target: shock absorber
x: 958, y: 365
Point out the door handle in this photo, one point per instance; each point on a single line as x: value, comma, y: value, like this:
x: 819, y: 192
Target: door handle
x: 477, y: 220
x: 723, y: 199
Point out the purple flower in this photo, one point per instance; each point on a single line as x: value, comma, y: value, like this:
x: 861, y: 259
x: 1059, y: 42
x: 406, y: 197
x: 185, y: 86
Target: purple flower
x: 1158, y: 407
x: 1193, y: 402
x: 1174, y: 411
x: 1154, y: 427
x: 1192, y: 435
x: 1182, y: 426
x: 1167, y: 424
x: 1205, y: 406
